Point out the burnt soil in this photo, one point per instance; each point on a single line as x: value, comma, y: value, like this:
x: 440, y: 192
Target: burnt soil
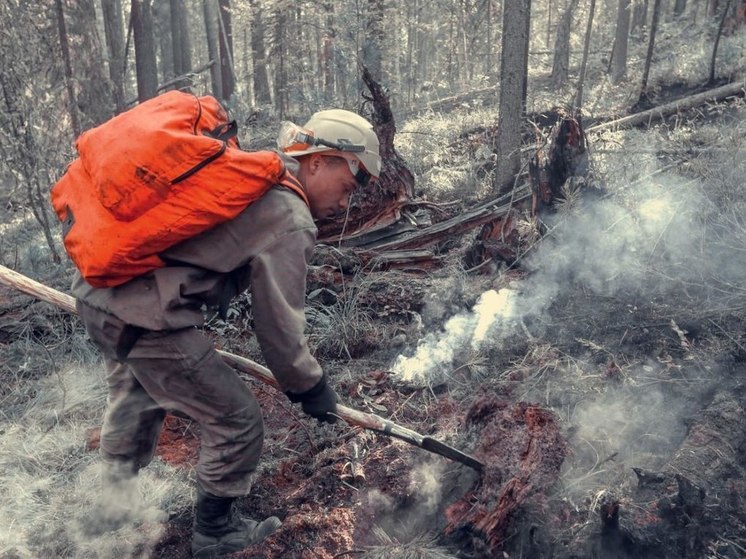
x: 345, y: 492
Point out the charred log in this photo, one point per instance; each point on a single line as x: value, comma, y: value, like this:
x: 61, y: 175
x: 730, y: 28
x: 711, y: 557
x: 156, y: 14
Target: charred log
x: 680, y: 511
x: 524, y: 450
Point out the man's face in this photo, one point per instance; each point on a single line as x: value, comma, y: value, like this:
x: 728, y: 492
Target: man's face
x: 329, y: 184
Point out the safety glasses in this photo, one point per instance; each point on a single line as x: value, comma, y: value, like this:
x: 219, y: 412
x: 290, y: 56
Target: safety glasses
x: 362, y: 177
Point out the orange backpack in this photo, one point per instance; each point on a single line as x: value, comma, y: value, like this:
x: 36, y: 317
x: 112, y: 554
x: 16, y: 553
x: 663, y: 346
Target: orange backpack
x: 153, y: 176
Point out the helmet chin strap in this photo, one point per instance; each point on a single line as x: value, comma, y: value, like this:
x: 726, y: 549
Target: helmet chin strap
x: 347, y: 217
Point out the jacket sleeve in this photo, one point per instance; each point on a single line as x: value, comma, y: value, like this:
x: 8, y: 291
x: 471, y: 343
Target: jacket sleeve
x: 278, y: 292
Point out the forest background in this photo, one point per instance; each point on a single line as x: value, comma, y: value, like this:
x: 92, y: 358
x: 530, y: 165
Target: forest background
x: 465, y: 80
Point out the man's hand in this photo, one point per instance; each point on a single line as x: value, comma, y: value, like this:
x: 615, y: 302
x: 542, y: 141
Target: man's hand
x: 319, y: 402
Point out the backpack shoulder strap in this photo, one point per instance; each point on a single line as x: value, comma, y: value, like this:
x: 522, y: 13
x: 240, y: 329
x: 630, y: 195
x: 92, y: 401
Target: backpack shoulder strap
x: 289, y: 181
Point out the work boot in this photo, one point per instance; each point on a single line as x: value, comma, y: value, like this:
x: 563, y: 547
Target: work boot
x: 219, y: 530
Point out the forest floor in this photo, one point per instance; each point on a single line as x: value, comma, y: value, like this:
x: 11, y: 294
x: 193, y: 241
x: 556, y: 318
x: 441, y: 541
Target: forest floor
x: 601, y: 379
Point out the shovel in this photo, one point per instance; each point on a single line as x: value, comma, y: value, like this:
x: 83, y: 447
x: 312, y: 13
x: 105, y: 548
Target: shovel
x: 351, y: 416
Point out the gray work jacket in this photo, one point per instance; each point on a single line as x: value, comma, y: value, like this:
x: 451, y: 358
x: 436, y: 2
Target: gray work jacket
x: 266, y: 249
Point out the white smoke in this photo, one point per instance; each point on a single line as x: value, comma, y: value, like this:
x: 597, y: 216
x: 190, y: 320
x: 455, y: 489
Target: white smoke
x: 463, y: 330
x: 426, y: 484
x: 646, y: 240
x: 51, y: 491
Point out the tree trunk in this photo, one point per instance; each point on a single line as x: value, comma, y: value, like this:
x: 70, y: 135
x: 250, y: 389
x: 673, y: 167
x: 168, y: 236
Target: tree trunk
x: 262, y: 96
x: 114, y: 31
x: 145, y: 65
x: 373, y: 39
x: 411, y: 48
x: 176, y: 38
x: 639, y: 14
x: 489, y: 66
x: 619, y: 59
x: 212, y: 33
x: 62, y: 35
x: 162, y: 21
x: 280, y: 61
x: 181, y: 43
x: 649, y: 56
x: 717, y: 40
x: 327, y: 53
x: 227, y: 69
x: 679, y: 7
x: 513, y: 80
x: 578, y: 104
x: 561, y: 62
x: 94, y: 91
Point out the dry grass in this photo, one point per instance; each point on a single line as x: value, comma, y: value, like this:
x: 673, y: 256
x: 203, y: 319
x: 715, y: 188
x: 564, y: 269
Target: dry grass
x: 334, y: 329
x: 421, y: 546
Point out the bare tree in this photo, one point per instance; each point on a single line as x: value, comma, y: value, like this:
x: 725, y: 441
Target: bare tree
x: 621, y: 39
x: 182, y: 50
x: 327, y: 52
x: 639, y: 14
x: 145, y: 64
x: 280, y: 59
x: 489, y: 66
x: 114, y: 34
x: 649, y: 56
x: 513, y: 81
x: 227, y: 70
x: 679, y: 7
x: 93, y: 89
x: 71, y: 99
x: 260, y: 77
x: 162, y: 24
x: 578, y: 103
x: 212, y: 34
x: 561, y: 61
x: 717, y: 40
x: 373, y: 39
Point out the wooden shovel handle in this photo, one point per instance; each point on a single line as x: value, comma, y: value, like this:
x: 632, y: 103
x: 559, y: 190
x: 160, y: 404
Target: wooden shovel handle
x: 351, y: 416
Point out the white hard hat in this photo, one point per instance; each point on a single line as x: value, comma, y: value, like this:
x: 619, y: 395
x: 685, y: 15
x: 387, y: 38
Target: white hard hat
x: 334, y: 130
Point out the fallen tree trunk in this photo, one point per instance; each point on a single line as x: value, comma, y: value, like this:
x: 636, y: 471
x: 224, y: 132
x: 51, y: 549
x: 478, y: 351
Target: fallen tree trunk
x: 445, y: 230
x: 658, y: 113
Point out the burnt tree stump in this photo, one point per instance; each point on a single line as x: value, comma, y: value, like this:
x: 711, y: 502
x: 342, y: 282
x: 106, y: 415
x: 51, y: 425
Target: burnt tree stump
x: 560, y: 156
x: 378, y: 205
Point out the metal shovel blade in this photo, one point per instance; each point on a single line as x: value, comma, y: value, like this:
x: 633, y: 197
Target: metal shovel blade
x: 438, y: 447
x: 386, y: 427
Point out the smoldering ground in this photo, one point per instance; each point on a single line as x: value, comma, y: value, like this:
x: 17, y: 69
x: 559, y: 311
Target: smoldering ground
x: 607, y: 319
x: 660, y: 240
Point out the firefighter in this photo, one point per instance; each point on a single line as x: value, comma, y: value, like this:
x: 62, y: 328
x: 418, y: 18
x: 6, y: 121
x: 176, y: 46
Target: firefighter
x: 158, y: 361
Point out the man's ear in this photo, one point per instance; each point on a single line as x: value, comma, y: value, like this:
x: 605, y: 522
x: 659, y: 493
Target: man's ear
x: 314, y: 163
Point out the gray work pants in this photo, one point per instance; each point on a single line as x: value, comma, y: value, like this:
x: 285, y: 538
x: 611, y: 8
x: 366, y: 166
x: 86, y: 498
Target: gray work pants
x: 177, y: 370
